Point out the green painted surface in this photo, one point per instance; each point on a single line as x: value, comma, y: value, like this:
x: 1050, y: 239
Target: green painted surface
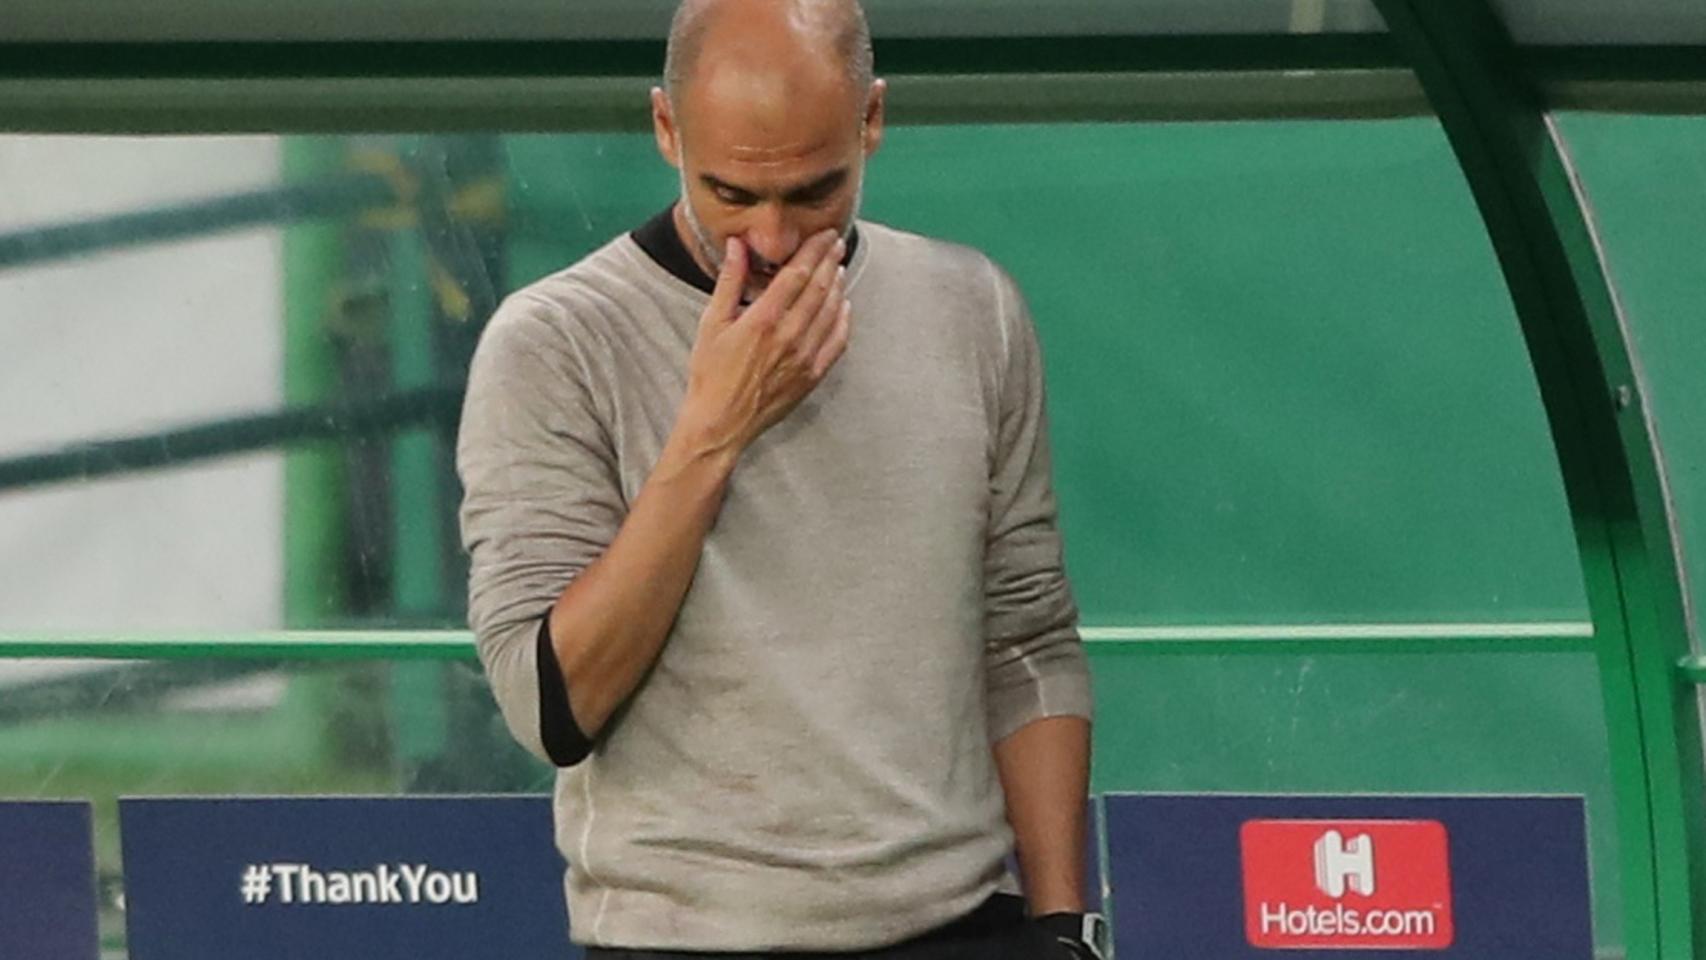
x: 418, y: 717
x: 314, y: 477
x: 1642, y: 178
x: 1526, y: 192
x: 1332, y: 723
x: 380, y: 644
x: 1645, y: 179
x: 1285, y: 380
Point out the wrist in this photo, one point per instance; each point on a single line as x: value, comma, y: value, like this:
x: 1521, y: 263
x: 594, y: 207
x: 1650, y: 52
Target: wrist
x: 694, y: 450
x: 1065, y: 900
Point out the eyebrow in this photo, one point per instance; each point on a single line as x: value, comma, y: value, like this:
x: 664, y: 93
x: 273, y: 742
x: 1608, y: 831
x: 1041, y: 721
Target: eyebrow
x: 826, y: 184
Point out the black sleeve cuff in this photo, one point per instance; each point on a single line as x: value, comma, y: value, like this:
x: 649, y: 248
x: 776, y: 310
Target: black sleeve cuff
x: 1068, y: 931
x: 564, y: 742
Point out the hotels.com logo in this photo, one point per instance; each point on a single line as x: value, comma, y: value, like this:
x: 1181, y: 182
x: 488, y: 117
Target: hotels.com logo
x: 1368, y: 884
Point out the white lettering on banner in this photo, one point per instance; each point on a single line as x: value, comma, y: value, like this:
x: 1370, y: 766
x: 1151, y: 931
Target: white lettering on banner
x: 1340, y: 919
x: 413, y: 877
x: 299, y: 883
x: 1342, y: 864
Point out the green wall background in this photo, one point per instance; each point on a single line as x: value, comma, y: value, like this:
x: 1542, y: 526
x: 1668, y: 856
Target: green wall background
x: 1645, y: 181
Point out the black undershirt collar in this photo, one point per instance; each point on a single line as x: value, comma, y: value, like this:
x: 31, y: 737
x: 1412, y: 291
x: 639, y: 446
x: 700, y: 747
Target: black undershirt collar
x: 662, y: 242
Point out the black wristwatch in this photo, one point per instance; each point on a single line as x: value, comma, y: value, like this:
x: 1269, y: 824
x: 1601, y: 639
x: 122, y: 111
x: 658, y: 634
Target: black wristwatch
x: 1083, y: 935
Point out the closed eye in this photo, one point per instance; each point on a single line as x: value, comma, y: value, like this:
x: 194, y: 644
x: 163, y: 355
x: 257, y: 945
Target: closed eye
x: 733, y: 196
x: 814, y: 193
x: 818, y: 191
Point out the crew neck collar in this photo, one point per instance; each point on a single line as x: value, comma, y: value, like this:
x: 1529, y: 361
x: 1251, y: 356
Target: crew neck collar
x: 660, y: 241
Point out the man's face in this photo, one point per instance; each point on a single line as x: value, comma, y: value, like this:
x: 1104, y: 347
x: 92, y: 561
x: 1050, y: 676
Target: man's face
x: 766, y: 164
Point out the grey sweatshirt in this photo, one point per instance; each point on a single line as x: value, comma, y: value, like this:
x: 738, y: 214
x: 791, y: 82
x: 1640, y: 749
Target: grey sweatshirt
x: 808, y: 766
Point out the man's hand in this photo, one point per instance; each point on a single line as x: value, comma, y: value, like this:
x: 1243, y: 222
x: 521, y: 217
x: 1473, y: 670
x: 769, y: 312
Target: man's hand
x: 747, y: 371
x: 750, y: 368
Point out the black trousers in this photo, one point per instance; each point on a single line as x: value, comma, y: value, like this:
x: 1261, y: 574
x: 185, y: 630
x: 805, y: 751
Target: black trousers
x: 997, y: 930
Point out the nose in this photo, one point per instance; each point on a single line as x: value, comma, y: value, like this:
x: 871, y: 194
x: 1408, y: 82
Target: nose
x: 771, y: 235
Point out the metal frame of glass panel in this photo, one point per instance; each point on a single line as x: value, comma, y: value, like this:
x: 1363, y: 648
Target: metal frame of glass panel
x: 1451, y: 56
x: 1518, y: 169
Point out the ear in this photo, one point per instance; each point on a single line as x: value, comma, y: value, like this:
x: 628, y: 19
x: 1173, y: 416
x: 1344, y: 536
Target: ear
x: 664, y: 128
x: 874, y: 110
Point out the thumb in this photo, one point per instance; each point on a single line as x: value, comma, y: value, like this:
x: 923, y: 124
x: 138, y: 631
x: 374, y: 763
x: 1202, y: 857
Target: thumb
x: 731, y: 283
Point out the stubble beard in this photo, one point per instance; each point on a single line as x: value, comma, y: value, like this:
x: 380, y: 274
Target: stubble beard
x: 712, y: 254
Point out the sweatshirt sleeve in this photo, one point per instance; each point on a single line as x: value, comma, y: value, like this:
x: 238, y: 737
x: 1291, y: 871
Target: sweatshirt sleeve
x: 542, y: 500
x: 1035, y: 665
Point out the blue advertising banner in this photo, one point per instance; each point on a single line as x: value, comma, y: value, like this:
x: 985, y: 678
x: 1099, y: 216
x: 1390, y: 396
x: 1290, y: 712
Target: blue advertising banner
x: 1223, y: 877
x: 47, y: 881
x: 429, y: 878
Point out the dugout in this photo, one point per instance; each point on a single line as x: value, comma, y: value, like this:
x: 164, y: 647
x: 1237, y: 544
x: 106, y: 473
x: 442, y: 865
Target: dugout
x: 1373, y: 332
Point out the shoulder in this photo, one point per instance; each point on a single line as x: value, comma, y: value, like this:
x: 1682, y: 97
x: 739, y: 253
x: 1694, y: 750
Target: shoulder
x: 559, y: 305
x: 973, y: 294
x: 572, y: 310
x: 965, y: 273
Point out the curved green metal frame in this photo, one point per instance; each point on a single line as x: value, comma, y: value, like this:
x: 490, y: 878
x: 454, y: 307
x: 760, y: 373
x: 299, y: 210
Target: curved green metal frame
x: 1489, y: 96
x: 1518, y: 171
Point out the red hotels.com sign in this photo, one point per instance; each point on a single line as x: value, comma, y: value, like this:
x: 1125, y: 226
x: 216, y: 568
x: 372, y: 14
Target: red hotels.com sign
x: 1340, y: 884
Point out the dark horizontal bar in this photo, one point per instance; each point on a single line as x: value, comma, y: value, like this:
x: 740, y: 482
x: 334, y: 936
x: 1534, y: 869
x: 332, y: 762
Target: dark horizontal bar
x: 294, y: 60
x: 644, y: 58
x: 434, y: 405
x: 1636, y: 64
x: 1137, y: 54
x: 274, y: 207
x: 898, y: 55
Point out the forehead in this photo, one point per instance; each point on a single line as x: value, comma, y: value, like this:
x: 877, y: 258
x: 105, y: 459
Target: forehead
x: 755, y: 116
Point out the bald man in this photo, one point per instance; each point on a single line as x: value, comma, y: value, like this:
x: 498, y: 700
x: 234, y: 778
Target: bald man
x: 764, y: 545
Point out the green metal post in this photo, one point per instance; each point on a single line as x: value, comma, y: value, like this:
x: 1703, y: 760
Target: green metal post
x: 419, y: 716
x: 314, y: 475
x: 1519, y: 173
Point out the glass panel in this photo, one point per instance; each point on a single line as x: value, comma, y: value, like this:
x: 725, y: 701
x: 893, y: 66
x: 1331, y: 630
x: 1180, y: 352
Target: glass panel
x: 1287, y: 381
x: 170, y: 308
x: 1286, y: 387
x: 146, y: 338
x: 99, y: 730
x: 1436, y: 723
x: 1590, y: 22
x: 74, y: 338
x: 1645, y: 179
x: 93, y: 20
x: 1243, y: 435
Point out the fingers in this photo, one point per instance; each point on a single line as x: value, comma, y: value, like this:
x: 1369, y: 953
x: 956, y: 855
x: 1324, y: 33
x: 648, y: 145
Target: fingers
x: 797, y: 276
x: 822, y: 323
x: 825, y: 286
x: 731, y: 283
x: 836, y: 345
